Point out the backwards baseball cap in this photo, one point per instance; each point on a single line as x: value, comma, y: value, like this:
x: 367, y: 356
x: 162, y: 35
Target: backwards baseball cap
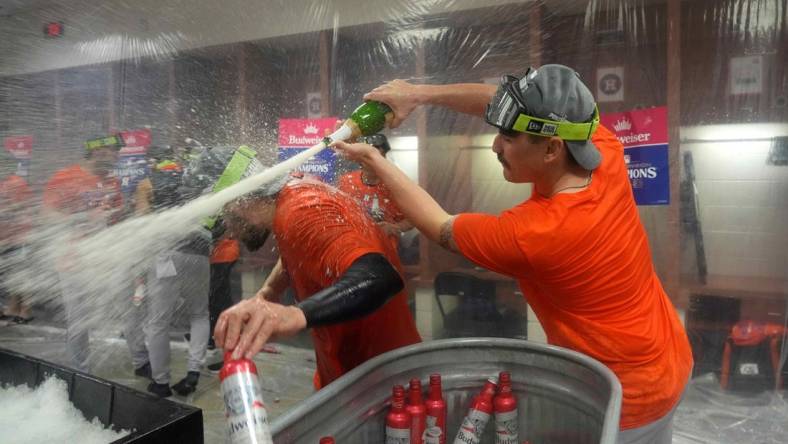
x: 377, y: 140
x: 549, y: 101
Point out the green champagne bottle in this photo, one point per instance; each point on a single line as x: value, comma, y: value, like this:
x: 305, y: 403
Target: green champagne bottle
x: 369, y: 118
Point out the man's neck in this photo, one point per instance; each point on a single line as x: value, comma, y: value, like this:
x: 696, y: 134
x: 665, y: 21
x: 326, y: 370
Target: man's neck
x: 571, y: 180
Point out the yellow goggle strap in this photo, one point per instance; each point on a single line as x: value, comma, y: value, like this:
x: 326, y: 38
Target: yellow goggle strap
x: 568, y: 131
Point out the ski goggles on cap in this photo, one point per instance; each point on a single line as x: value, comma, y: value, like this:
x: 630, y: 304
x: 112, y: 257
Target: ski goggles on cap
x: 509, y: 112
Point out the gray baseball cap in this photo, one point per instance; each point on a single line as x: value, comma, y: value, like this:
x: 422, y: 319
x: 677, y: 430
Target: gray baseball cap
x: 555, y: 92
x: 549, y: 101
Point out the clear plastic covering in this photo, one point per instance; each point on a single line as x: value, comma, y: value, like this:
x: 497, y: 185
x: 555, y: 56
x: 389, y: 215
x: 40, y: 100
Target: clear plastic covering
x: 173, y: 76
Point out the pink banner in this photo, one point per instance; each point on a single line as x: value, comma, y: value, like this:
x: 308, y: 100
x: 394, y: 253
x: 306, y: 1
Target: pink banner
x: 304, y: 133
x: 639, y: 127
x: 137, y: 137
x: 132, y: 151
x: 20, y: 147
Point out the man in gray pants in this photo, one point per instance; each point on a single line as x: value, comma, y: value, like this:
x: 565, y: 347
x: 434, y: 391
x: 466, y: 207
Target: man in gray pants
x: 183, y: 273
x: 180, y: 274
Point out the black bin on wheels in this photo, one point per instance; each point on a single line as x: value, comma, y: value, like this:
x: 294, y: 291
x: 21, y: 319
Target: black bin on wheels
x: 152, y: 420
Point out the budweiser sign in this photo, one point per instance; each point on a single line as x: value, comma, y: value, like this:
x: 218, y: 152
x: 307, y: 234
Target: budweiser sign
x: 304, y: 133
x: 639, y: 127
x: 19, y: 146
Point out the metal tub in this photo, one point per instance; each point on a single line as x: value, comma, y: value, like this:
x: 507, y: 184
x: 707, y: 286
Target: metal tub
x: 564, y: 397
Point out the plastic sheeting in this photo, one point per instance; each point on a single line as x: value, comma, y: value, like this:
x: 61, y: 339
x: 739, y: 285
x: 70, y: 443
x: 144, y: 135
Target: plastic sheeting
x: 708, y: 414
x: 227, y: 73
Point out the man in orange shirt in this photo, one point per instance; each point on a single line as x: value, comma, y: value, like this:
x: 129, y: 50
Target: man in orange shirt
x: 80, y: 200
x: 365, y: 186
x: 345, y: 273
x: 576, y: 246
x: 16, y: 222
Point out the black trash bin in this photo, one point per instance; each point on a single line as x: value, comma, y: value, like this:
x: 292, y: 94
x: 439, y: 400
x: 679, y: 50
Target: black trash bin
x: 152, y: 420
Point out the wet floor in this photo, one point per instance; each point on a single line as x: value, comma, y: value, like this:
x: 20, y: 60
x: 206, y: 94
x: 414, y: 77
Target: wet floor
x: 707, y: 414
x: 285, y: 377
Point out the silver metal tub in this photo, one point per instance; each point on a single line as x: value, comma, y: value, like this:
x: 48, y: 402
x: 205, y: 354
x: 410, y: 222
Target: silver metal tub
x: 564, y: 397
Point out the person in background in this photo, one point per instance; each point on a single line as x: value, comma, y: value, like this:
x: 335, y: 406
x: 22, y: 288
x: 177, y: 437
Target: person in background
x: 181, y: 273
x: 345, y: 274
x: 16, y: 222
x: 224, y: 256
x: 135, y: 316
x: 366, y: 187
x: 576, y: 245
x: 80, y: 200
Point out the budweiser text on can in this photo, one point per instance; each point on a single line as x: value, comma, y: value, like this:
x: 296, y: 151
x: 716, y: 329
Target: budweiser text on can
x: 478, y: 416
x: 505, y: 408
x: 244, y: 410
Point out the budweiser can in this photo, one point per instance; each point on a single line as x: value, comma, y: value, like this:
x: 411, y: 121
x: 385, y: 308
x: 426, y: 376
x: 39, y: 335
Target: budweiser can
x: 327, y: 440
x: 244, y: 410
x: 478, y: 416
x: 398, y: 419
x: 505, y: 408
x: 418, y: 412
x: 435, y: 427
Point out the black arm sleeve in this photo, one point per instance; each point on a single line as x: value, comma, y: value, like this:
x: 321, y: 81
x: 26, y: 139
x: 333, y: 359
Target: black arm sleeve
x: 369, y: 283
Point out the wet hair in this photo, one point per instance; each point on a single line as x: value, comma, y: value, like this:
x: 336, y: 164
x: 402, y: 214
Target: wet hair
x: 261, y: 194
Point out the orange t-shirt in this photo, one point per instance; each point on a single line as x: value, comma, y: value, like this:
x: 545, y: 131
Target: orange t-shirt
x: 376, y: 199
x: 15, y: 203
x: 320, y: 233
x: 87, y: 199
x: 72, y: 190
x: 15, y: 189
x: 584, y: 264
x: 225, y: 251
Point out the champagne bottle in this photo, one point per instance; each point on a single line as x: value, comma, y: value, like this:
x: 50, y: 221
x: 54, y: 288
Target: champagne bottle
x: 369, y: 118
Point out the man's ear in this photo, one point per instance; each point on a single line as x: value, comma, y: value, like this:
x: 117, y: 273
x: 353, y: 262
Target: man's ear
x: 553, y: 149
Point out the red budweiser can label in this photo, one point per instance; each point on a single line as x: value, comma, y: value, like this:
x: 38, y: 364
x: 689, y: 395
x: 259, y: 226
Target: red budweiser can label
x: 472, y: 427
x: 245, y: 412
x: 506, y: 430
x: 397, y: 436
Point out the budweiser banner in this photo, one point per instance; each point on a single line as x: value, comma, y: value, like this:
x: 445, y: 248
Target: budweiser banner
x: 21, y: 148
x: 136, y: 137
x: 644, y: 133
x: 132, y: 164
x: 296, y: 135
x: 131, y: 168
